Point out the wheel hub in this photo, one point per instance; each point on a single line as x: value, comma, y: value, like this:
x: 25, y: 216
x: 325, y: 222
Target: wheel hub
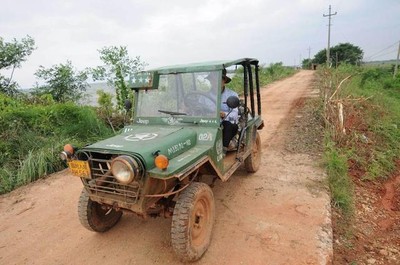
x: 199, y: 222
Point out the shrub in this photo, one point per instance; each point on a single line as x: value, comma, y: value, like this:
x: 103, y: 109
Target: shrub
x: 32, y: 135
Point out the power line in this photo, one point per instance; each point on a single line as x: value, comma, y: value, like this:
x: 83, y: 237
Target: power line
x: 380, y: 55
x: 390, y: 52
x: 373, y: 55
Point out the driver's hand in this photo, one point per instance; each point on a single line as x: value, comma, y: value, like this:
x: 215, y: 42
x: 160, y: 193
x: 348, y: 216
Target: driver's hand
x: 222, y: 114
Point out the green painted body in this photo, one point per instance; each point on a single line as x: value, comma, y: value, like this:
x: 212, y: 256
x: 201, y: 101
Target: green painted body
x: 165, y: 123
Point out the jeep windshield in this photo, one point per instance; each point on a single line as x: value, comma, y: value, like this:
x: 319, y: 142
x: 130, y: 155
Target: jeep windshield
x: 181, y: 95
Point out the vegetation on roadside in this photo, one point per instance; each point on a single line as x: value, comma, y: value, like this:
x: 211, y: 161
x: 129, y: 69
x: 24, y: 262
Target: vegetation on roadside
x: 35, y: 125
x: 33, y: 134
x: 267, y: 75
x: 340, y: 183
x: 362, y: 114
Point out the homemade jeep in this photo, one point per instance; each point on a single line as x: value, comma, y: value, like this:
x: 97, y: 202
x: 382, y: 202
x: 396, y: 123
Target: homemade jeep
x: 157, y: 166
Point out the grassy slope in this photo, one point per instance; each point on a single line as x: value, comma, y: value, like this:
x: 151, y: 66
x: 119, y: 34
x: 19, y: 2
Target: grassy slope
x: 371, y: 145
x: 32, y: 136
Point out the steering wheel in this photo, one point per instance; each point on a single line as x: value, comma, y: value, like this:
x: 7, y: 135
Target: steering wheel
x: 200, y: 103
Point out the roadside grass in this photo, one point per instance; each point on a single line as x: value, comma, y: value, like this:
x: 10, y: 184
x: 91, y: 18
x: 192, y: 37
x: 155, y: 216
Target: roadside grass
x: 32, y: 136
x: 267, y: 75
x: 370, y: 146
x: 379, y: 144
x: 340, y: 184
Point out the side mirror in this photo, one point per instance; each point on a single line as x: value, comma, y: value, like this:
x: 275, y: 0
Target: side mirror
x: 233, y: 102
x: 128, y: 104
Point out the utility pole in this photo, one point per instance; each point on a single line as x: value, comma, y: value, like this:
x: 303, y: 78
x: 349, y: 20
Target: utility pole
x: 328, y: 59
x: 309, y: 53
x: 397, y: 62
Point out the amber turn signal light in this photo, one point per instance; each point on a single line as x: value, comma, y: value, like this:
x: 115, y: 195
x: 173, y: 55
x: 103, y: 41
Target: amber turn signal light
x: 161, y: 162
x: 67, y: 153
x: 68, y: 148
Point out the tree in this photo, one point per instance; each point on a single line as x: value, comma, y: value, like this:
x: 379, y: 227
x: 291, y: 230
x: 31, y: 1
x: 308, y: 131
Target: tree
x: 106, y: 107
x: 12, y: 55
x: 117, y: 67
x: 62, y: 82
x: 306, y: 64
x: 347, y: 53
x: 320, y: 57
x: 341, y: 53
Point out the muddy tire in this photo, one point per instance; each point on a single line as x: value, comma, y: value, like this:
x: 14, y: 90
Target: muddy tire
x: 94, y: 217
x: 253, y: 161
x: 193, y: 221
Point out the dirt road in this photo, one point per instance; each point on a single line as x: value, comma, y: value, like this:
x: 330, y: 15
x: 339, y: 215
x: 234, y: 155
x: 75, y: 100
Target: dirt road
x: 280, y: 215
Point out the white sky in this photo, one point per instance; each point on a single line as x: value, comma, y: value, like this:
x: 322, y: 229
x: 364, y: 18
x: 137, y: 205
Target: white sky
x: 181, y: 31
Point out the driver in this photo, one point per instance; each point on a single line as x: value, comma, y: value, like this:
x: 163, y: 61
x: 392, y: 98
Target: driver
x: 229, y: 117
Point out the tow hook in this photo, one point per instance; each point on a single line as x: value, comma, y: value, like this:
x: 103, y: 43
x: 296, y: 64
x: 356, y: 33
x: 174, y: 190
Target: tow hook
x: 115, y: 206
x: 110, y: 208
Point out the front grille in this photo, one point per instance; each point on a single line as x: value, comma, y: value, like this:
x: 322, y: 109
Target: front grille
x: 103, y: 185
x: 110, y: 186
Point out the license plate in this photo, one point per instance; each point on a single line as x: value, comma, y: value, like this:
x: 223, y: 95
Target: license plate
x: 79, y: 168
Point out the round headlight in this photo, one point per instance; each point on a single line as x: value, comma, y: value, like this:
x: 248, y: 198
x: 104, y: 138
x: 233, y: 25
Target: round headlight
x: 124, y: 169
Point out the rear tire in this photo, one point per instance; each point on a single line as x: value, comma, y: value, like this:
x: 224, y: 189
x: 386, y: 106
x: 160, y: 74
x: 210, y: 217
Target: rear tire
x: 93, y: 217
x: 193, y: 221
x: 253, y: 161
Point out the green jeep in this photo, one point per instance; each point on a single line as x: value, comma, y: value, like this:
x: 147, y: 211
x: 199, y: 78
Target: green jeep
x: 158, y: 165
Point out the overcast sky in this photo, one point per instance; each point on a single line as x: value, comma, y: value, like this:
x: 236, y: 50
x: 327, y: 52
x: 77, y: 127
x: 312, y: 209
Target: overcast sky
x: 181, y: 31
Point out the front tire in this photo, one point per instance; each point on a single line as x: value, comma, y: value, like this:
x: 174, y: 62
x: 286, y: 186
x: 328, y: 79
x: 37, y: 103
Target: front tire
x: 253, y: 161
x: 193, y: 221
x: 94, y: 217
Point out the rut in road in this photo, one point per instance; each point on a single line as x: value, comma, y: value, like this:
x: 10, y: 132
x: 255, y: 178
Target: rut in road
x: 279, y: 215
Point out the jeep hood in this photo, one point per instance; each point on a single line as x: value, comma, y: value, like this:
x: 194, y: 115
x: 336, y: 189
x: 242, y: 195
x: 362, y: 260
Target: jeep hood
x: 144, y: 141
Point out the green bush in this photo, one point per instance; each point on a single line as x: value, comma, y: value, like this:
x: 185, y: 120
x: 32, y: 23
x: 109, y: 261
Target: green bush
x: 32, y: 135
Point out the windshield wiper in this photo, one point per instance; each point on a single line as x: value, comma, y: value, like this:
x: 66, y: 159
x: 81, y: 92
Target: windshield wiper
x: 172, y: 112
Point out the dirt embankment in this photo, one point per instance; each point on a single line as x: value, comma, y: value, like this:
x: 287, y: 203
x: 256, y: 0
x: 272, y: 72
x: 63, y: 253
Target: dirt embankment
x: 373, y: 235
x: 280, y: 215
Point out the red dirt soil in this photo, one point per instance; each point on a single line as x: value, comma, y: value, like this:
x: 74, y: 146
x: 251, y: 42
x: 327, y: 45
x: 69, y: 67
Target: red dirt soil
x: 374, y: 235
